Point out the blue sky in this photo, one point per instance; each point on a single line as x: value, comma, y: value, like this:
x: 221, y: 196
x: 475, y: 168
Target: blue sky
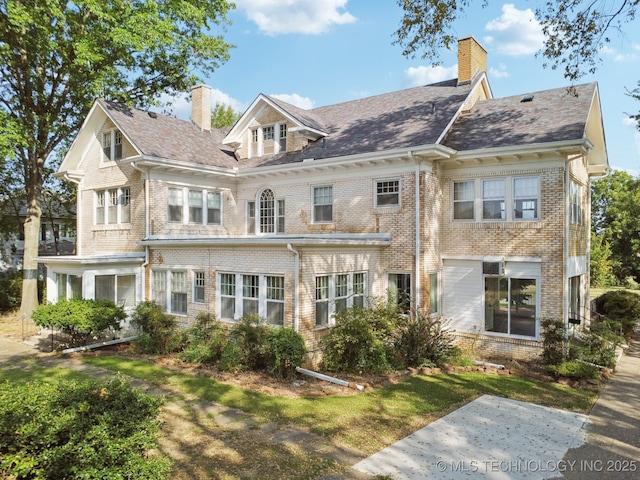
x: 318, y: 52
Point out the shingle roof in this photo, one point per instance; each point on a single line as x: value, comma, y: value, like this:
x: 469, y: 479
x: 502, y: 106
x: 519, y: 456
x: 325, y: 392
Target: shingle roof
x: 171, y: 138
x: 552, y: 115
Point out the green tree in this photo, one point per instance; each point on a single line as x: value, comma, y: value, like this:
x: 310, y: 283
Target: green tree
x: 601, y: 262
x: 615, y: 206
x: 56, y: 57
x: 575, y: 30
x: 223, y: 116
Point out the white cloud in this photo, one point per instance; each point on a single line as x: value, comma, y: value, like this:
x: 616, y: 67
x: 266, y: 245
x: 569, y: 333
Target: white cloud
x: 500, y: 72
x: 179, y: 105
x: 515, y: 32
x: 425, y: 75
x: 275, y: 17
x: 295, y: 99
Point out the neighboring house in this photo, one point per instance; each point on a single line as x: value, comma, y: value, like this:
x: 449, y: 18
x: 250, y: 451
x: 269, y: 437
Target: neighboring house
x: 456, y: 203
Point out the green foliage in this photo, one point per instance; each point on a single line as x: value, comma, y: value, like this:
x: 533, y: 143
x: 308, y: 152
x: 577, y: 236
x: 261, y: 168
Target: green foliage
x: 360, y: 340
x: 622, y: 309
x: 602, y: 264
x: 574, y: 369
x: 287, y: 351
x: 223, y: 116
x: 553, y: 341
x: 158, y: 330
x: 80, y: 318
x: 249, y: 341
x: 205, y: 341
x: 597, y: 345
x: 422, y: 340
x: 75, y: 429
x: 10, y: 286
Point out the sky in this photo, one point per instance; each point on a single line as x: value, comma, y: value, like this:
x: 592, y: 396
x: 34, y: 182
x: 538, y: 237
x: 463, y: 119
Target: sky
x: 313, y: 53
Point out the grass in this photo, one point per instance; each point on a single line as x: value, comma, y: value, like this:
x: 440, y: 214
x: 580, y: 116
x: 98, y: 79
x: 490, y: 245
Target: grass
x: 367, y: 421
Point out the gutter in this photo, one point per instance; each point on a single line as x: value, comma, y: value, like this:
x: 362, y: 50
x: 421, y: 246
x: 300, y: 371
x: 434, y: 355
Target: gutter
x: 296, y: 294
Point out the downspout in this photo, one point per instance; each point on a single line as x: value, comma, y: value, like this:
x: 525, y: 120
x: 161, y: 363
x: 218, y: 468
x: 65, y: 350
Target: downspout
x: 296, y: 283
x: 147, y: 228
x: 78, y: 210
x: 567, y: 240
x: 418, y: 282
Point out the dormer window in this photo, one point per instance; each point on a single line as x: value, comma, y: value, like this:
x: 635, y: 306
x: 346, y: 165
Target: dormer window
x: 267, y: 133
x: 112, y: 144
x: 268, y: 139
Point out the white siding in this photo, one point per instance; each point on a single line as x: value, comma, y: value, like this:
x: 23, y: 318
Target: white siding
x: 463, y: 294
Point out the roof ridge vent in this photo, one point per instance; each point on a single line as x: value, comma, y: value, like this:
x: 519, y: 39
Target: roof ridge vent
x: 527, y: 98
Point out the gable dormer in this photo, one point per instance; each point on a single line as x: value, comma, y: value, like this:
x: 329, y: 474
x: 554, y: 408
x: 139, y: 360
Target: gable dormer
x: 270, y: 126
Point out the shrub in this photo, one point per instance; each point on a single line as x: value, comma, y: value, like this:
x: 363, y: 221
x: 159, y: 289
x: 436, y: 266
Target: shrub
x: 422, y: 340
x: 360, y: 339
x: 553, y: 341
x: 81, y: 319
x: 158, y: 330
x: 287, y: 351
x: 84, y: 429
x: 251, y: 336
x: 622, y: 308
x: 205, y: 341
x: 574, y: 369
x: 11, y: 287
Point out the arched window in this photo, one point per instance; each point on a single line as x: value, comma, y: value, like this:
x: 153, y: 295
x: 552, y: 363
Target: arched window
x: 267, y: 212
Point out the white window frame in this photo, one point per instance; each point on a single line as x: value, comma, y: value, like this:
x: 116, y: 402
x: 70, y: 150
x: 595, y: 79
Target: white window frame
x: 112, y: 140
x: 315, y: 205
x: 116, y: 201
x: 65, y: 286
x: 253, y: 287
x: 187, y: 207
x: 576, y: 195
x: 509, y: 279
x: 120, y: 297
x: 336, y: 300
x: 384, y: 188
x: 435, y: 292
x: 162, y: 289
x: 199, y: 286
x: 265, y: 219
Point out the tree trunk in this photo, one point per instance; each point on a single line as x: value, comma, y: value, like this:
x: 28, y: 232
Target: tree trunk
x: 29, y: 265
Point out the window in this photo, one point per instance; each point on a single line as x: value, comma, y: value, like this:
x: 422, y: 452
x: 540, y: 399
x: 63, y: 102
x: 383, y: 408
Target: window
x: 113, y: 206
x: 335, y: 293
x: 68, y: 286
x: 254, y: 136
x: 400, y: 290
x: 267, y: 133
x: 495, y: 194
x: 246, y: 294
x: 271, y: 214
x: 283, y: 137
x: 112, y: 144
x: 434, y: 292
x: 525, y: 195
x: 195, y: 206
x: 178, y: 293
x: 575, y: 300
x: 510, y: 305
x: 198, y: 287
x: 203, y: 207
x: 267, y: 212
x: 251, y: 217
x: 387, y: 193
x: 493, y: 198
x: 463, y: 200
x: 120, y: 289
x: 576, y: 203
x: 280, y: 222
x: 159, y: 287
x: 323, y: 204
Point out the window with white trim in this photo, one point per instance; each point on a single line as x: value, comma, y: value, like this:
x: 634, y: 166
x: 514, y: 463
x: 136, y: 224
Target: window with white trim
x: 198, y: 286
x: 510, y: 305
x: 113, y: 206
x: 120, y: 289
x: 268, y: 139
x: 387, y: 193
x: 68, y: 286
x: 335, y: 293
x: 400, y: 290
x: 178, y: 292
x: 112, y: 145
x: 576, y: 195
x: 271, y: 214
x: 196, y: 206
x: 246, y: 294
x: 169, y: 290
x: 434, y: 292
x: 159, y: 288
x: 323, y: 204
x: 492, y: 195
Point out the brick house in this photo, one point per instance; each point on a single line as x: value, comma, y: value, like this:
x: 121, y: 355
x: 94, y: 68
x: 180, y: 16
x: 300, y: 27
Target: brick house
x: 454, y: 202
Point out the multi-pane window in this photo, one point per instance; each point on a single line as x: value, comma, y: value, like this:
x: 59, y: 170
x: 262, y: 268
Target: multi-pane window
x: 463, y: 200
x: 245, y: 294
x: 267, y: 212
x: 280, y: 221
x: 113, y: 206
x: 335, y: 293
x: 251, y: 217
x: 198, y: 286
x: 68, y: 286
x: 525, y: 198
x: 510, y: 305
x: 169, y: 290
x: 267, y: 132
x: 576, y: 203
x: 254, y: 136
x: 178, y: 293
x: 283, y: 137
x: 120, y: 289
x: 202, y: 206
x: 159, y: 288
x: 493, y: 199
x: 494, y: 194
x: 112, y: 144
x: 322, y: 204
x: 434, y: 292
x: 387, y: 193
x: 400, y: 290
x: 271, y: 214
